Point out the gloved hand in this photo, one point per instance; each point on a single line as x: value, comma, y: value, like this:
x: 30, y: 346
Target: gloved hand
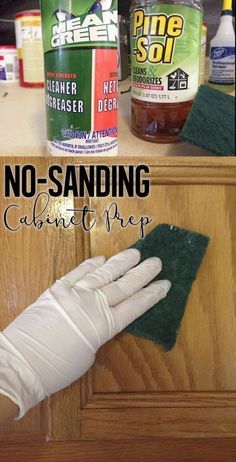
x: 54, y: 342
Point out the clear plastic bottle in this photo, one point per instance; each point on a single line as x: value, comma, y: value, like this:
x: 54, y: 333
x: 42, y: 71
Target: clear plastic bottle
x: 165, y: 50
x: 222, y: 54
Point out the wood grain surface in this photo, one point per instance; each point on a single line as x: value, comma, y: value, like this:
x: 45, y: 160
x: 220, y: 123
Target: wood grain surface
x: 158, y: 450
x: 203, y: 359
x: 135, y: 391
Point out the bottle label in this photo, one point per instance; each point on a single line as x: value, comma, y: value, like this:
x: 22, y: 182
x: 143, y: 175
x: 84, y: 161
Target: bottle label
x: 30, y: 49
x: 166, y: 47
x: 8, y: 67
x: 222, y: 67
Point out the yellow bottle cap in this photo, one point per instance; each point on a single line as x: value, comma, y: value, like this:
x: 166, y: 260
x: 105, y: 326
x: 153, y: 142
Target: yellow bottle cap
x: 227, y: 5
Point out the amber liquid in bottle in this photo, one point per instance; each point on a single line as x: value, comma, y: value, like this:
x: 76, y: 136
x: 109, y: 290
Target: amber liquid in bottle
x: 160, y: 122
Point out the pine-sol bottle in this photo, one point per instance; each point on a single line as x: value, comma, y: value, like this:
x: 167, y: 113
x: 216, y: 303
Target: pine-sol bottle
x: 165, y: 50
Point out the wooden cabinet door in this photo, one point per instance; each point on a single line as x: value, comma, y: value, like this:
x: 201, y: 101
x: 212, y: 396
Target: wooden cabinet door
x: 139, y: 402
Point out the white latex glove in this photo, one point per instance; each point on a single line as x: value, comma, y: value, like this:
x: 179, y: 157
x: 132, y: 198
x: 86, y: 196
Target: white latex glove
x: 54, y: 342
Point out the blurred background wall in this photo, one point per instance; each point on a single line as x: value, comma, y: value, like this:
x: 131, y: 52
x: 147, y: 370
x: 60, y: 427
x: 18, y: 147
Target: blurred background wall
x: 8, y: 8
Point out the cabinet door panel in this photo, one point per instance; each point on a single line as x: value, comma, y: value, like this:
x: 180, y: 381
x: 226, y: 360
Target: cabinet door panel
x: 203, y: 359
x: 200, y: 372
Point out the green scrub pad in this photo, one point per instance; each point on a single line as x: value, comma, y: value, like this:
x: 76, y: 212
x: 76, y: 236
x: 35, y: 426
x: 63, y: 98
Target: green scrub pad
x: 181, y: 253
x: 211, y: 123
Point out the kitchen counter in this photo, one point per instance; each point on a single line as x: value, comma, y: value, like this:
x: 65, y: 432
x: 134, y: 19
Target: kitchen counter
x: 23, y: 127
x: 22, y: 121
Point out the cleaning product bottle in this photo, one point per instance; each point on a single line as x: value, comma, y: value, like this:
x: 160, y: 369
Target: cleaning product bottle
x: 81, y: 76
x: 222, y: 54
x: 29, y: 44
x: 165, y: 48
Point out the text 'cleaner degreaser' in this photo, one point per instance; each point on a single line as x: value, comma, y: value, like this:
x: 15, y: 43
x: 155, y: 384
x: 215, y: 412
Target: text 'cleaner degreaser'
x: 165, y: 48
x: 81, y: 66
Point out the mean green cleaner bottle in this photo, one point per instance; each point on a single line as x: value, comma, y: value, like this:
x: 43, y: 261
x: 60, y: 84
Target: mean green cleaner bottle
x: 81, y: 76
x: 165, y: 48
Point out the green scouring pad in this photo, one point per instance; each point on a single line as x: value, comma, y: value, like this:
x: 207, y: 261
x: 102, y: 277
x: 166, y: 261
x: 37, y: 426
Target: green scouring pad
x: 211, y: 123
x: 181, y: 252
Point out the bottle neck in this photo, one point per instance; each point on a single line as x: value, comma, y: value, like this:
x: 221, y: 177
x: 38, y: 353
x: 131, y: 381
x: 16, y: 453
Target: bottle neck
x: 227, y: 14
x: 226, y: 27
x: 226, y: 18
